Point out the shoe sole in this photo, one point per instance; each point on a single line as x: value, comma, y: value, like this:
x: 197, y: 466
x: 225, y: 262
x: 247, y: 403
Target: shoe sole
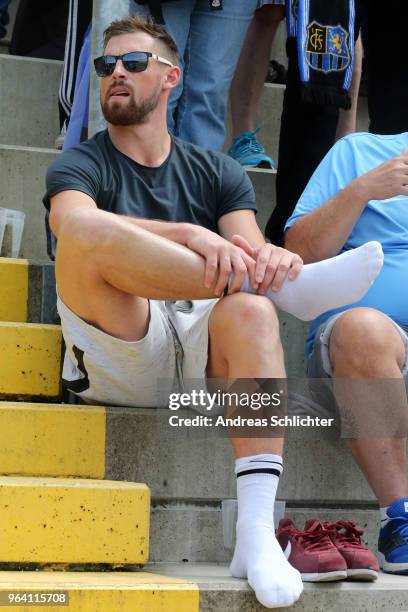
x: 392, y: 568
x: 324, y: 576
x: 362, y: 574
x: 264, y: 165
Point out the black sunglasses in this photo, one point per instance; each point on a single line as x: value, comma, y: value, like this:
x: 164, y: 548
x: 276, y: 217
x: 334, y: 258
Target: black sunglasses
x: 135, y: 61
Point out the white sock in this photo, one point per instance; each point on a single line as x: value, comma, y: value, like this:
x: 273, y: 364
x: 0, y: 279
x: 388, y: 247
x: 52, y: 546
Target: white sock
x: 331, y: 283
x: 258, y: 555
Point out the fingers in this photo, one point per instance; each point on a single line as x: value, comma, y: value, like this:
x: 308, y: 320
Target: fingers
x: 211, y: 270
x: 225, y: 269
x: 243, y: 244
x: 270, y: 269
x: 296, y: 267
x: 249, y: 256
x: 239, y: 270
x: 282, y: 264
x: 282, y: 270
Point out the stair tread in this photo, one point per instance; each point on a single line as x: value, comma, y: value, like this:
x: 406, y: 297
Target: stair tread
x: 68, y: 483
x: 212, y: 575
x: 106, y: 591
x: 116, y: 579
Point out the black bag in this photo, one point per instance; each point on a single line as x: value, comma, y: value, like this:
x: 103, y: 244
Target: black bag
x: 156, y: 12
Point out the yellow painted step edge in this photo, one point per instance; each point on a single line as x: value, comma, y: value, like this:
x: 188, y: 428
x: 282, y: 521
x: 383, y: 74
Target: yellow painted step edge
x: 52, y: 440
x: 61, y: 520
x: 106, y: 592
x: 13, y: 289
x: 30, y: 359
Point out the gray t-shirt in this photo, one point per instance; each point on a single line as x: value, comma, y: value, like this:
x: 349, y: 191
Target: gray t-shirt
x: 192, y: 185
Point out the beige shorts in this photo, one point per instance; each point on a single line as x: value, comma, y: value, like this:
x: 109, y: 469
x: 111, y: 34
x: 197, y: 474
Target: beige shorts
x: 102, y: 369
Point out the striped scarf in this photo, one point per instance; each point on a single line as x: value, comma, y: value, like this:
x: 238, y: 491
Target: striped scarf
x: 325, y: 41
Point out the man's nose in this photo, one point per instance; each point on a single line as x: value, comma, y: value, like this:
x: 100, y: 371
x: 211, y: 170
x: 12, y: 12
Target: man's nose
x: 119, y: 70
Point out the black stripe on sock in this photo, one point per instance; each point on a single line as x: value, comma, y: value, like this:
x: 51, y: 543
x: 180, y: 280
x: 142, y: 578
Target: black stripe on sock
x: 260, y: 471
x: 264, y: 461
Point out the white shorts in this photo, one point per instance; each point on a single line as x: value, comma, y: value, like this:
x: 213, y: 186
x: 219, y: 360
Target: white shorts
x: 102, y: 369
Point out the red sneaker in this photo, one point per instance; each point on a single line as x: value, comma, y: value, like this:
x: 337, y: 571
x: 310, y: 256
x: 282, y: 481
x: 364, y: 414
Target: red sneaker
x: 311, y: 551
x: 362, y: 564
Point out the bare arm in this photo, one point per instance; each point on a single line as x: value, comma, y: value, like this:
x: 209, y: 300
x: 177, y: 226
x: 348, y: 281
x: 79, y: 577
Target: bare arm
x: 66, y: 203
x: 221, y: 256
x: 242, y: 222
x: 322, y: 233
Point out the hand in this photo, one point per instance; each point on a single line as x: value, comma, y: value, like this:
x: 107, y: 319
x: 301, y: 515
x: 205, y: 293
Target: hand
x: 273, y: 264
x: 222, y: 258
x: 387, y: 180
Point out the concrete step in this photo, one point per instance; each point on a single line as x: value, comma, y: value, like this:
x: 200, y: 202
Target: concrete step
x: 187, y: 531
x: 22, y: 177
x: 52, y: 440
x: 219, y: 592
x: 29, y: 117
x: 30, y: 360
x: 188, y: 468
x: 58, y: 520
x: 137, y: 591
x: 192, y: 465
x: 13, y: 289
x: 269, y: 118
x: 195, y: 587
x: 27, y: 291
x: 198, y: 465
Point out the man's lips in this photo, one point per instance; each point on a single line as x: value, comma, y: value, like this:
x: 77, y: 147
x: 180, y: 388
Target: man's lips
x: 119, y: 92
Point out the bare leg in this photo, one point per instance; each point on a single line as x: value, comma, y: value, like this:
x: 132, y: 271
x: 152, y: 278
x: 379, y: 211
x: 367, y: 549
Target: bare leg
x: 107, y: 267
x: 245, y: 343
x: 252, y: 67
x: 365, y: 345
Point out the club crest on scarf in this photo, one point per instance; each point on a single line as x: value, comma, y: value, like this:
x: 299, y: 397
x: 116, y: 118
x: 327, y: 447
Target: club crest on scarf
x: 327, y: 47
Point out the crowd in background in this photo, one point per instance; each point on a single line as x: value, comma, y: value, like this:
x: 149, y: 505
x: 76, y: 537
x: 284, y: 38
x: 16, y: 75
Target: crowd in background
x: 235, y: 70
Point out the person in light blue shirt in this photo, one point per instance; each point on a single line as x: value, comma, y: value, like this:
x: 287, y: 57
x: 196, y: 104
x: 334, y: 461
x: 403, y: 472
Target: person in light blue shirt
x: 359, y: 193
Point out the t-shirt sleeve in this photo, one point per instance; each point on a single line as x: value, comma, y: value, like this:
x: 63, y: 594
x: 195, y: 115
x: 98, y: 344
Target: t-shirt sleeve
x: 73, y: 169
x: 236, y: 191
x: 335, y: 171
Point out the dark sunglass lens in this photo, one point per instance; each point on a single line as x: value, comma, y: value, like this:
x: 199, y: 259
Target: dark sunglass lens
x: 105, y: 65
x: 135, y: 62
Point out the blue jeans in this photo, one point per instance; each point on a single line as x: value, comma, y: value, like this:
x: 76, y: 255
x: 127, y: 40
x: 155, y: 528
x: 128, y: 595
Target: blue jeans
x: 209, y: 44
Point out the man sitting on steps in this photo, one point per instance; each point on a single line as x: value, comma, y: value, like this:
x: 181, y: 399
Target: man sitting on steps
x: 360, y: 192
x: 136, y: 214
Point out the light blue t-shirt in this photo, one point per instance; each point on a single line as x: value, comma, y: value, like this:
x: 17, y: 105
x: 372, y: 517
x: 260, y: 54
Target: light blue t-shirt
x: 382, y: 220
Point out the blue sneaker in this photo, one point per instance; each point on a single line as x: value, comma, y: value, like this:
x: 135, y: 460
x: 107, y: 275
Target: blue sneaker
x: 249, y: 152
x: 393, y: 539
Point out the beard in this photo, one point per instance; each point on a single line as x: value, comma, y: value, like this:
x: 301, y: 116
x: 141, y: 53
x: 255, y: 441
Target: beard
x: 132, y: 112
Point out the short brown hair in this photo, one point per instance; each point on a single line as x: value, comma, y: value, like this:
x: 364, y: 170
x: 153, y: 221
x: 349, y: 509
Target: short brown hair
x: 129, y: 25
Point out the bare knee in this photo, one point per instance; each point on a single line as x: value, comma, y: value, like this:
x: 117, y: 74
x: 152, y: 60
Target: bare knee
x: 366, y: 341
x: 246, y: 319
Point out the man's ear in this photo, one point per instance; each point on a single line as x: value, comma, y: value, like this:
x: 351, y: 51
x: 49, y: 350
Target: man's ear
x: 172, y: 77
